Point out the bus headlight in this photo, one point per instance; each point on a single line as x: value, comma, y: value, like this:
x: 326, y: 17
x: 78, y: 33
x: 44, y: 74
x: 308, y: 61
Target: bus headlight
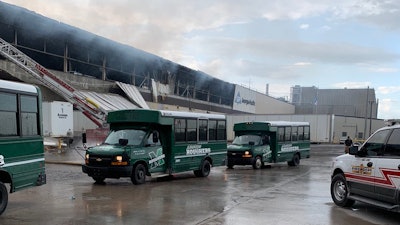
x: 119, y: 161
x: 118, y: 158
x: 87, y: 158
x: 247, y: 154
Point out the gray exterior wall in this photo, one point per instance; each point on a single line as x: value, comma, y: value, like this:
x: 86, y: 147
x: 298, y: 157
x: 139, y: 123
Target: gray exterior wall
x: 344, y: 102
x: 269, y: 105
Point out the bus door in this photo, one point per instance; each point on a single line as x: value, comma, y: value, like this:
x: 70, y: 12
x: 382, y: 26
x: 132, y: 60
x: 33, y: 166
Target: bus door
x: 273, y: 145
x: 156, y: 151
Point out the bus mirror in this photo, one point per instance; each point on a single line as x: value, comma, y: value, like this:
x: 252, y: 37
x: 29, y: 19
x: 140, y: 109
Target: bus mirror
x: 251, y: 143
x: 84, y: 138
x: 155, y: 137
x: 123, y: 141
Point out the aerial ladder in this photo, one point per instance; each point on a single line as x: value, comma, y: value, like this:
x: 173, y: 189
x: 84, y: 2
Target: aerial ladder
x: 89, y: 108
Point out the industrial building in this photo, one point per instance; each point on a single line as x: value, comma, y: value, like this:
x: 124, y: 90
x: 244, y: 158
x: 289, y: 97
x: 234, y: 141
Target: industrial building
x: 344, y: 102
x: 116, y: 76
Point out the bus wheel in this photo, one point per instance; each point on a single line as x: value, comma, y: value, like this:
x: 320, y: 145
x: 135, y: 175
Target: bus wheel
x: 3, y: 197
x: 139, y: 174
x: 257, y: 163
x: 204, y: 170
x: 99, y: 180
x: 230, y: 166
x: 295, y: 161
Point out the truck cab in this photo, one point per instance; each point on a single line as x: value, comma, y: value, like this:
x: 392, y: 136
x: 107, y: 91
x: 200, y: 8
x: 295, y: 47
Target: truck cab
x: 370, y: 173
x: 124, y: 149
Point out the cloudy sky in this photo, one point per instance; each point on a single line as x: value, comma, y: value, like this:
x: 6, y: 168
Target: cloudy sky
x: 322, y: 43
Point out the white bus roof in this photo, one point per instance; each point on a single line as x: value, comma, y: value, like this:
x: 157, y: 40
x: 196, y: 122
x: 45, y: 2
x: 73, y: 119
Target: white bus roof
x: 191, y: 115
x: 283, y: 123
x: 9, y: 85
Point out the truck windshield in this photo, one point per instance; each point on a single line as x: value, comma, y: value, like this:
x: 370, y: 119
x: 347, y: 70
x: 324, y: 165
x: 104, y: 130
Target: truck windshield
x: 134, y: 137
x: 246, y: 139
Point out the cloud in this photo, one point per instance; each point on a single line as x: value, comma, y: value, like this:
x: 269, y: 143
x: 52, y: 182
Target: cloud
x: 302, y: 64
x: 304, y: 26
x: 349, y: 84
x: 386, y: 109
x: 385, y: 70
x: 388, y: 90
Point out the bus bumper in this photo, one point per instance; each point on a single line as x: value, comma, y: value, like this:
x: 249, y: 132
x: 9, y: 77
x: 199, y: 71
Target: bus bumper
x: 239, y: 161
x: 107, y: 172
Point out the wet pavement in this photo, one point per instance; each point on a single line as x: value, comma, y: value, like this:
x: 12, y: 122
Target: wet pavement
x: 68, y: 156
x: 278, y: 195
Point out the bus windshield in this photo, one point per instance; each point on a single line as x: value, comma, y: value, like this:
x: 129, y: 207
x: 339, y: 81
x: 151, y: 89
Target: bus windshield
x: 134, y: 137
x: 246, y: 139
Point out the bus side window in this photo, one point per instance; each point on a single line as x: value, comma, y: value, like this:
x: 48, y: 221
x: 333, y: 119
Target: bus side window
x: 301, y: 133
x: 265, y: 140
x: 154, y: 139
x: 306, y: 133
x: 281, y: 134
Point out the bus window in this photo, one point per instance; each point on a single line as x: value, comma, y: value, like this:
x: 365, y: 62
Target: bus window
x: 29, y: 115
x: 288, y: 131
x: 281, y: 134
x: 294, y: 134
x: 301, y: 133
x: 221, y: 130
x: 306, y: 133
x: 203, y: 130
x: 8, y: 114
x: 180, y: 128
x: 191, y: 130
x: 212, y: 132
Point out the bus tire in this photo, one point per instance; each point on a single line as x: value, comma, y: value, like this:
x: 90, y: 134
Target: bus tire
x: 3, y: 197
x: 99, y: 180
x: 340, y: 191
x: 205, y: 169
x: 295, y: 160
x: 258, y: 163
x: 138, y: 174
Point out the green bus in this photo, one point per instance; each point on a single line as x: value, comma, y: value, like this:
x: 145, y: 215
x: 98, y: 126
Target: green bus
x: 157, y: 143
x: 22, y: 163
x: 259, y: 143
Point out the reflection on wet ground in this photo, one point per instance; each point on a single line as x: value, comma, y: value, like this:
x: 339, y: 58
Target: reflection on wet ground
x: 274, y: 195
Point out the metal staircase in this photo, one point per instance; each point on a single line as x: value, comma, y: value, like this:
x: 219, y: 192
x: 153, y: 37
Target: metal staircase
x: 49, y: 80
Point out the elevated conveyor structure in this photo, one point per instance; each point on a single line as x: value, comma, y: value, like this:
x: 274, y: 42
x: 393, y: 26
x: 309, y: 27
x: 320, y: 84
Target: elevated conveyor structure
x: 49, y: 80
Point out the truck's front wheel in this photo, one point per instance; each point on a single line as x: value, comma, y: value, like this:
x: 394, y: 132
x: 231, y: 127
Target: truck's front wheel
x: 3, y: 197
x: 138, y: 174
x: 340, y: 191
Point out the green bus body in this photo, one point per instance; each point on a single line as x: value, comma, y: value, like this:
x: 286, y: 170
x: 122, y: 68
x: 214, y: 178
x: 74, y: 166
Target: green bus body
x: 157, y: 143
x: 259, y: 143
x: 22, y: 162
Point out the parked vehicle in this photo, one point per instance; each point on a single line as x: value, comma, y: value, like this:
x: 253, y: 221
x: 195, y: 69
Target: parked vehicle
x: 370, y: 173
x: 21, y: 139
x: 158, y: 143
x: 259, y: 143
